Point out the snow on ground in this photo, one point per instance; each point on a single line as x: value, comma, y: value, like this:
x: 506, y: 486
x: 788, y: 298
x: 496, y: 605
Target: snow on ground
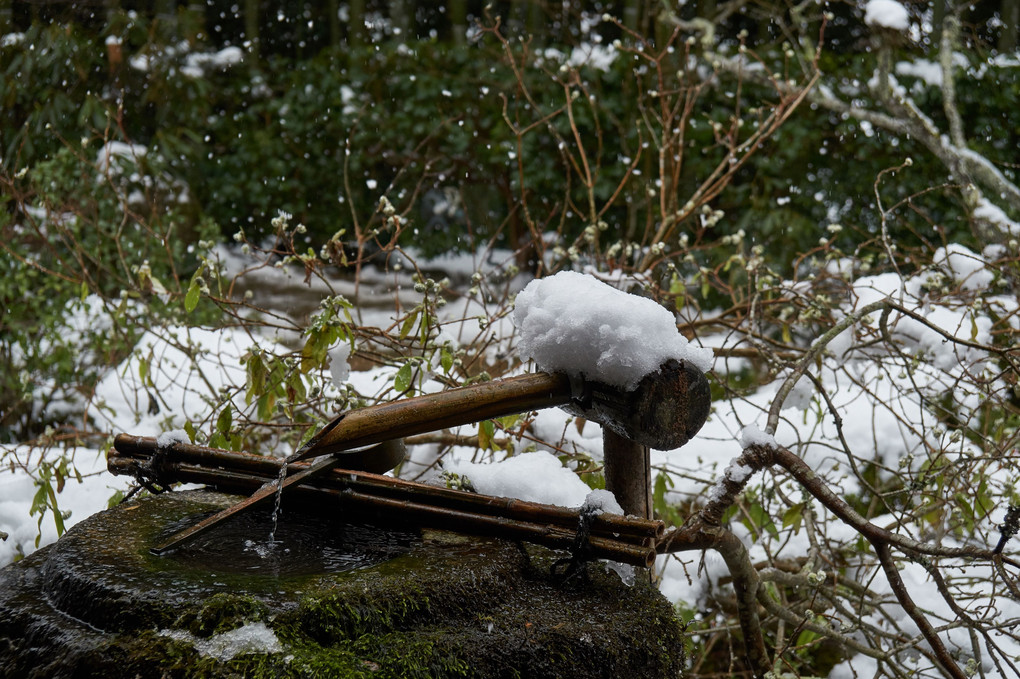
x: 184, y: 389
x: 536, y: 477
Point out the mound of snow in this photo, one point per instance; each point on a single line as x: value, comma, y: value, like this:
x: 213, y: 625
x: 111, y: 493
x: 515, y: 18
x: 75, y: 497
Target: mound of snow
x: 573, y: 323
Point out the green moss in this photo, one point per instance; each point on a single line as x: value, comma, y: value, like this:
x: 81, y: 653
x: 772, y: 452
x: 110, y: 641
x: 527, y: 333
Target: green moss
x: 453, y: 606
x: 221, y: 613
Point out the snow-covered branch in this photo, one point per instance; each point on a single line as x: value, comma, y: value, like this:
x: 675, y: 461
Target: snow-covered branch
x: 902, y: 116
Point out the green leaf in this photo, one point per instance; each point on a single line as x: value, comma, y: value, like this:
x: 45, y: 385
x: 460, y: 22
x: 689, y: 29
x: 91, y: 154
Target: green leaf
x: 761, y: 519
x: 595, y: 480
x: 116, y: 499
x: 320, y: 339
x: 225, y: 420
x: 663, y: 509
x: 296, y: 391
x: 84, y: 290
x: 446, y: 360
x: 508, y: 421
x: 408, y: 324
x: 58, y: 518
x: 402, y: 380
x: 257, y: 372
x: 313, y: 353
x: 659, y: 488
x: 190, y: 429
x: 486, y: 432
x: 793, y: 517
x: 309, y: 433
x: 806, y: 637
x: 423, y: 329
x: 983, y: 500
x: 39, y: 504
x: 192, y: 296
x: 157, y: 286
x: 965, y: 511
x: 265, y: 405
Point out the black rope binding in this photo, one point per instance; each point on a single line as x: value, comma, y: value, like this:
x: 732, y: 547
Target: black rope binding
x: 151, y: 474
x: 581, y: 552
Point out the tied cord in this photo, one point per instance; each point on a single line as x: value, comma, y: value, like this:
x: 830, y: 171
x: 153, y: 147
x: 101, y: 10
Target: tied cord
x: 581, y: 551
x: 151, y: 474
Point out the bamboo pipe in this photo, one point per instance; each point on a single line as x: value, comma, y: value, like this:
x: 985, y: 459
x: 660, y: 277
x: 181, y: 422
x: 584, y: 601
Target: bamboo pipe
x: 267, y: 468
x: 639, y: 553
x: 431, y: 412
x: 664, y: 411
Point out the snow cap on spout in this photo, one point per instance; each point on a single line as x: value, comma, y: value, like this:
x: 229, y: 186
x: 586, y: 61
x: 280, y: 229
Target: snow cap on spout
x: 575, y: 324
x: 625, y: 349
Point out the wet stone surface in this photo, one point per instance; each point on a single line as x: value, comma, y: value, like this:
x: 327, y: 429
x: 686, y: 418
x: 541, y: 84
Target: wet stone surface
x: 327, y: 599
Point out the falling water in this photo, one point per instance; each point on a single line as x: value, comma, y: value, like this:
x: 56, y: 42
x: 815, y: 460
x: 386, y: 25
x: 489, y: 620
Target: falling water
x: 276, y: 503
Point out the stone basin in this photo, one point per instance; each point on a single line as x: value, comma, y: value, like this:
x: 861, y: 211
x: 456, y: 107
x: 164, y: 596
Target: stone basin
x: 329, y: 599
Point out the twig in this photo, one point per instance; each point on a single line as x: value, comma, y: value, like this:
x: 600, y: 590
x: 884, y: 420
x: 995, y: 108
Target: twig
x: 900, y: 590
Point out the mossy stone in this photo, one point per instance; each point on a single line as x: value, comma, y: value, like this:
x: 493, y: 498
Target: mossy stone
x: 434, y: 604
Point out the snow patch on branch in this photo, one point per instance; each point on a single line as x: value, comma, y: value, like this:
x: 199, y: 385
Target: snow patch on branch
x: 994, y: 214
x: 738, y: 473
x: 887, y: 14
x: 928, y: 71
x: 751, y: 435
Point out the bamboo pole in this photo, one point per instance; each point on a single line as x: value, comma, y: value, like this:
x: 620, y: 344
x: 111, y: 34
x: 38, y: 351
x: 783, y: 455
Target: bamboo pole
x: 142, y: 449
x: 533, y: 522
x: 628, y: 473
x: 431, y: 412
x: 664, y: 411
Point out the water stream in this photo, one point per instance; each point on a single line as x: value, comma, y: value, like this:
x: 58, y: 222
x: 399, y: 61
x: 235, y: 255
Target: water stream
x: 306, y: 541
x: 276, y: 504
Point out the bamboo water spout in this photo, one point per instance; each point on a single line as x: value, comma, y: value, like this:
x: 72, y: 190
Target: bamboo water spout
x: 664, y: 411
x: 619, y: 538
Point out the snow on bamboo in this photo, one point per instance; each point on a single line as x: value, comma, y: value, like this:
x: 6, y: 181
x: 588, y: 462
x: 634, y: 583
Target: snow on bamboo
x: 575, y: 324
